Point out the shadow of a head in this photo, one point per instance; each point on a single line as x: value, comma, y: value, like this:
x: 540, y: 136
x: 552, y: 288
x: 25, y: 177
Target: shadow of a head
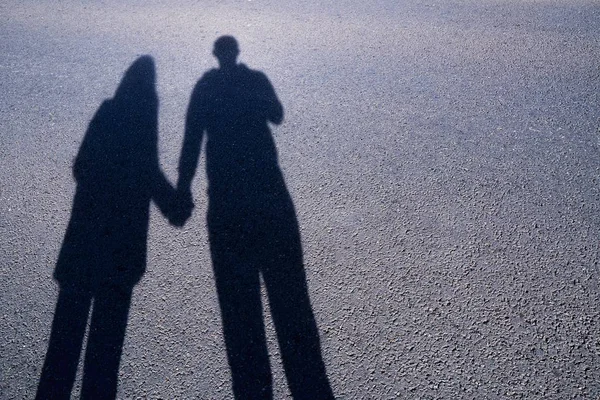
x: 226, y: 50
x: 138, y: 82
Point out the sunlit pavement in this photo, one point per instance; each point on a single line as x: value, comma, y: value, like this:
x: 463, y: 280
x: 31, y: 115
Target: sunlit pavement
x: 443, y: 160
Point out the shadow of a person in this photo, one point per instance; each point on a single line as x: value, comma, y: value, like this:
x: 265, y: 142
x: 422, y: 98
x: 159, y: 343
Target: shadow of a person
x: 103, y: 254
x: 253, y: 230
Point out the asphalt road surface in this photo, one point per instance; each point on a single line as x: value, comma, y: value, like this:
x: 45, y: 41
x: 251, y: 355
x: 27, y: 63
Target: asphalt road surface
x: 442, y: 160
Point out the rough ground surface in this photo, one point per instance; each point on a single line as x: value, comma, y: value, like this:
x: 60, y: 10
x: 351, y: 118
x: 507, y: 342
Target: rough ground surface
x: 444, y: 162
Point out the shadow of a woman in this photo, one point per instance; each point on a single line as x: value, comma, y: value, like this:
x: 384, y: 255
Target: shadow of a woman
x: 253, y: 230
x: 104, y: 249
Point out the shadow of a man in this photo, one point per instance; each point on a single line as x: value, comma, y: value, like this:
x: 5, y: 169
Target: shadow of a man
x: 252, y: 226
x: 103, y: 254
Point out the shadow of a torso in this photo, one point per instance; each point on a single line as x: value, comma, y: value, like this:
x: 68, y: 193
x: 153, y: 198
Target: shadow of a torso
x: 107, y: 234
x: 248, y: 197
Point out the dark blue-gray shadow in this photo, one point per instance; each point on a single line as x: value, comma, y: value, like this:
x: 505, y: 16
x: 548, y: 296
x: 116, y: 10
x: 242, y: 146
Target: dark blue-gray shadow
x: 103, y: 254
x: 253, y: 229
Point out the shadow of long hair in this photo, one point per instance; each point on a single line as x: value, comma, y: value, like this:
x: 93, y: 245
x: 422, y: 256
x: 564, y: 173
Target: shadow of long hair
x: 103, y: 254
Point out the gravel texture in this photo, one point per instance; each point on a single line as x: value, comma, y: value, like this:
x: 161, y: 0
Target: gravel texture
x: 443, y: 159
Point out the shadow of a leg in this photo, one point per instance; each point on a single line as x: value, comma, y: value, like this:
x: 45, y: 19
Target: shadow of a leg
x: 64, y: 348
x: 105, y: 343
x: 296, y: 329
x: 238, y: 288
